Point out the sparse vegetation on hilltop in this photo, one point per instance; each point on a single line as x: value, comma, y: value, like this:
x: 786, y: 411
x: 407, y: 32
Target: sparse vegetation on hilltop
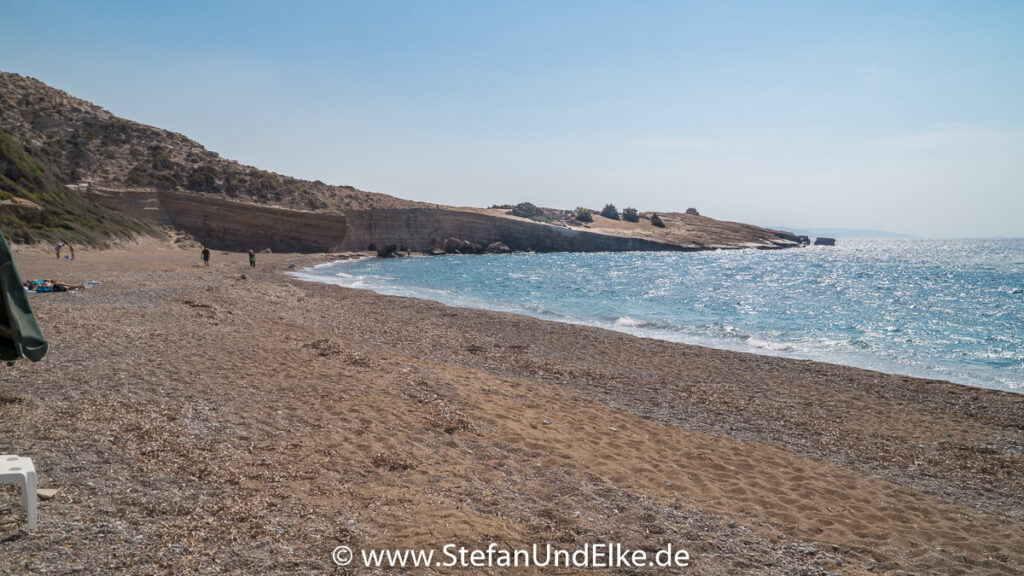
x: 584, y: 214
x: 610, y: 212
x: 528, y: 210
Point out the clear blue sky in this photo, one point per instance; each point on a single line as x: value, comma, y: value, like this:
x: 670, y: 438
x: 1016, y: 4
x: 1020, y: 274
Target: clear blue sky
x: 902, y: 116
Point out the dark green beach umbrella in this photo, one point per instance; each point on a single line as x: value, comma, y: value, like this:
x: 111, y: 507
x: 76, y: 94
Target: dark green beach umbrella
x: 19, y: 333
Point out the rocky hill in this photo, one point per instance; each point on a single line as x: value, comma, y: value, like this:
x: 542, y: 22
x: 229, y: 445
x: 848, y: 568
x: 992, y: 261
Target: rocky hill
x: 162, y: 177
x: 85, y: 143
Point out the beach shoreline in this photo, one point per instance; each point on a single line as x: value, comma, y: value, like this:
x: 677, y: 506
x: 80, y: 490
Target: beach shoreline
x: 235, y: 420
x: 777, y: 317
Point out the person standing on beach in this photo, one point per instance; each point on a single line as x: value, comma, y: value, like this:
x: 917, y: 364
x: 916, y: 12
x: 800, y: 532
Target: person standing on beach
x: 57, y: 249
x: 252, y: 259
x: 72, y: 249
x: 206, y: 256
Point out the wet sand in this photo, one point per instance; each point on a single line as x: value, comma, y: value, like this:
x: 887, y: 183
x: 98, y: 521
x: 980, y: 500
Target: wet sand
x: 226, y: 420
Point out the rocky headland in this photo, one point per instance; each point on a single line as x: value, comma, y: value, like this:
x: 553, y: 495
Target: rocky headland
x: 159, y: 177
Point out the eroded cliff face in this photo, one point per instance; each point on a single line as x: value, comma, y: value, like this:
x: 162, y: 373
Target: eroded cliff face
x: 418, y: 228
x: 227, y: 225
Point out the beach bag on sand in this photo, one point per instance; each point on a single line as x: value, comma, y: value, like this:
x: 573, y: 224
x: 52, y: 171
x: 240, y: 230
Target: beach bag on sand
x: 20, y: 336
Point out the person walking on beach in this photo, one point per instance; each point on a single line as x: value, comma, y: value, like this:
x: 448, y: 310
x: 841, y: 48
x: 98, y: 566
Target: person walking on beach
x: 252, y: 259
x: 57, y: 249
x: 206, y: 256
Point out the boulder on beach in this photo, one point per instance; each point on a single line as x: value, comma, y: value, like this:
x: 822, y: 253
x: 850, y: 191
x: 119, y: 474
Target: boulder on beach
x: 498, y: 248
x: 452, y: 245
x: 457, y: 246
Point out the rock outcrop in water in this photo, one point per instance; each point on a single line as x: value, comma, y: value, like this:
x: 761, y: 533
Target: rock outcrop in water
x: 800, y: 239
x: 823, y: 241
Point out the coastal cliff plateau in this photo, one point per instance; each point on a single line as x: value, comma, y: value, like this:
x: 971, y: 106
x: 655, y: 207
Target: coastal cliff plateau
x: 235, y: 225
x: 162, y: 177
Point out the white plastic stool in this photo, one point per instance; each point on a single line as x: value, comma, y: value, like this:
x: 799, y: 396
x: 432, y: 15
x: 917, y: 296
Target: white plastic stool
x: 19, y: 470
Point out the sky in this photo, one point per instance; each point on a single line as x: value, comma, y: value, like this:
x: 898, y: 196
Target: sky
x: 899, y: 116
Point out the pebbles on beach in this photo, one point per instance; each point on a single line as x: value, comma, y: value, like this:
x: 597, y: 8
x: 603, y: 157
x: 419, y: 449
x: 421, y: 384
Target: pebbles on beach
x: 196, y: 423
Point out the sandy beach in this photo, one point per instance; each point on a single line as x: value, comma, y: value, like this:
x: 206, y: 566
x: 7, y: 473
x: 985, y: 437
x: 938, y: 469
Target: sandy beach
x: 228, y: 420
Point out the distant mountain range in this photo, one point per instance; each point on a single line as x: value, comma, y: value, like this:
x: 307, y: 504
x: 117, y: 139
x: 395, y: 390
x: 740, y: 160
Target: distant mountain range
x: 843, y: 232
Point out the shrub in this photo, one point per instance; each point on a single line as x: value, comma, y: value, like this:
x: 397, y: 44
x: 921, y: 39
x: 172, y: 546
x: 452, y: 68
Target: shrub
x: 657, y: 221
x: 526, y: 210
x: 630, y: 215
x: 161, y: 159
x: 610, y: 212
x: 584, y: 215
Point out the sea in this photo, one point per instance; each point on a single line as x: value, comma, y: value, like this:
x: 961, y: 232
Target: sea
x: 942, y: 309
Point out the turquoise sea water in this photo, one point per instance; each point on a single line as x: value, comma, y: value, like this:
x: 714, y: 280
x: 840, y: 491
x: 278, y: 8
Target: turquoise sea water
x: 947, y: 309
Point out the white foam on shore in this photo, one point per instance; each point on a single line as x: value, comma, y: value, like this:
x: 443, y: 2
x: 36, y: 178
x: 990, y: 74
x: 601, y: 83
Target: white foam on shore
x: 627, y: 322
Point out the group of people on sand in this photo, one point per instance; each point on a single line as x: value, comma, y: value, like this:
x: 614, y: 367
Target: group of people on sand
x: 206, y: 257
x: 60, y: 246
x: 50, y: 285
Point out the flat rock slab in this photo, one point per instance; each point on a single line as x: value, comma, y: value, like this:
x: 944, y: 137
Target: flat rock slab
x: 46, y: 493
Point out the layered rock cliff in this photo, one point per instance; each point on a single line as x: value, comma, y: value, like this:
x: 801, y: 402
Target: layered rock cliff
x: 231, y: 225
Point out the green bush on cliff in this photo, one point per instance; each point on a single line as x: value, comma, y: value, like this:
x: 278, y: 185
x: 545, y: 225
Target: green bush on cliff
x: 584, y: 214
x: 610, y: 212
x: 528, y: 210
x: 630, y: 215
x: 161, y: 159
